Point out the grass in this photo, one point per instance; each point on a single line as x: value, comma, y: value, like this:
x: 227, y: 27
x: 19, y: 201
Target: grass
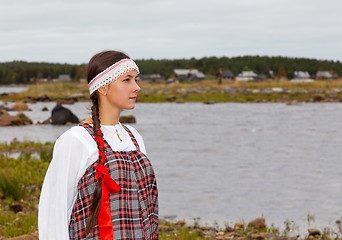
x: 21, y: 179
x: 12, y: 187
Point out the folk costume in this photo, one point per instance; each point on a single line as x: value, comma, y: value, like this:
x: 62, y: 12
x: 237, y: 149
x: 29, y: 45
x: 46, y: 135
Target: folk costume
x: 129, y: 202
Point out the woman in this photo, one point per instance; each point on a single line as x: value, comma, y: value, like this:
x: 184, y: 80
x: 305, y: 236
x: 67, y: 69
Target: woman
x: 100, y: 183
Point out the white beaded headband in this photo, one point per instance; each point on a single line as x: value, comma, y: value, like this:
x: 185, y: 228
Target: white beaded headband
x: 112, y: 73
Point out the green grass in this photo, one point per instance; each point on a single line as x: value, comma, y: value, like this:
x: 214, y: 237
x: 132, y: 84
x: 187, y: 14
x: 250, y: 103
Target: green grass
x: 12, y: 187
x: 21, y: 179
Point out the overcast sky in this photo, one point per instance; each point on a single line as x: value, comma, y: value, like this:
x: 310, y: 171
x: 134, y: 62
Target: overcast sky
x: 71, y: 31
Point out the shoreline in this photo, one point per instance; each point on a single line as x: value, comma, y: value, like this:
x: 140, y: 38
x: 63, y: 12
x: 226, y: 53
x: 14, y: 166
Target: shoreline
x: 206, y: 91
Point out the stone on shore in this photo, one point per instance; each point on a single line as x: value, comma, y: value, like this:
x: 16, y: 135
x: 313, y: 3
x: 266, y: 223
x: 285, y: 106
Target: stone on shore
x: 32, y: 236
x: 128, y: 119
x: 20, y: 106
x: 61, y: 115
x: 258, y: 223
x: 314, y: 232
x: 8, y: 120
x: 25, y: 120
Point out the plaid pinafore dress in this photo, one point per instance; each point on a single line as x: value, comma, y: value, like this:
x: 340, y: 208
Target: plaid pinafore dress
x: 134, y: 209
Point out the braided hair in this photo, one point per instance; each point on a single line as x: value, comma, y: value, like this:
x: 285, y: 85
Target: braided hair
x: 97, y: 64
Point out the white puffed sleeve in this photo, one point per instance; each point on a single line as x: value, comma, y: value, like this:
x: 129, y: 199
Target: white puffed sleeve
x: 70, y: 155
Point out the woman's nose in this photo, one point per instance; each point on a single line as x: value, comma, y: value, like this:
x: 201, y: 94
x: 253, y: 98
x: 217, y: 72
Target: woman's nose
x: 136, y: 87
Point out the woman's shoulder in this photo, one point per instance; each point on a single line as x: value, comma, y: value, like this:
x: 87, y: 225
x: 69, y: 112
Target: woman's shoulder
x: 75, y: 133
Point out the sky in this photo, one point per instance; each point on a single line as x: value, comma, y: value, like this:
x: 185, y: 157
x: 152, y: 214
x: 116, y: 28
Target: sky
x: 72, y: 31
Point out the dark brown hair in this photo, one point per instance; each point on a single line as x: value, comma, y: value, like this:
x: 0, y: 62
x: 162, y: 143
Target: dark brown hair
x: 98, y: 63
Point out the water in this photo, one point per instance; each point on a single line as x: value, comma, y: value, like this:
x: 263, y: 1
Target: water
x: 231, y: 162
x: 12, y: 89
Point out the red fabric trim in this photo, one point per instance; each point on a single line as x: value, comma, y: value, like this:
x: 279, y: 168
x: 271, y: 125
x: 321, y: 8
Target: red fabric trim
x: 107, y: 70
x: 108, y: 186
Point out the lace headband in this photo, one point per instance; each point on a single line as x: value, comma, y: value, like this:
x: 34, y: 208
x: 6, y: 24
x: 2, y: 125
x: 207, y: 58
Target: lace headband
x: 112, y: 73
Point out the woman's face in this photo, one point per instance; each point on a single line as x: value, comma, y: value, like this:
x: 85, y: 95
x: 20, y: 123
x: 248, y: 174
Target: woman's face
x: 122, y: 93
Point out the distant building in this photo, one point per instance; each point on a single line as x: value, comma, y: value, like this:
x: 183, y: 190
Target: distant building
x: 301, y: 76
x: 225, y: 74
x: 189, y: 74
x: 327, y: 75
x: 247, y: 76
x: 64, y: 78
x: 150, y: 77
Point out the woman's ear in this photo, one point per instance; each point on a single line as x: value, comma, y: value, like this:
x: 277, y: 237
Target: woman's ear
x: 103, y: 90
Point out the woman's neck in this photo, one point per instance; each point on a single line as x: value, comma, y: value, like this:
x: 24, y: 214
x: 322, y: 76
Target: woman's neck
x: 109, y: 117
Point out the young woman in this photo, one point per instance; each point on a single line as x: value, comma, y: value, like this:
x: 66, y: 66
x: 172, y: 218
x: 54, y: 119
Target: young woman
x: 100, y: 183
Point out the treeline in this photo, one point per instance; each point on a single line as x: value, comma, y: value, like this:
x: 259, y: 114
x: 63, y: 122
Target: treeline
x: 26, y: 72
x: 280, y: 66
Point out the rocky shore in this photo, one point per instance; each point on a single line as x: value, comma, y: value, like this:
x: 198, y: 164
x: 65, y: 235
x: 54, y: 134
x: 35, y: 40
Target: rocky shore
x: 60, y: 115
x: 254, y: 230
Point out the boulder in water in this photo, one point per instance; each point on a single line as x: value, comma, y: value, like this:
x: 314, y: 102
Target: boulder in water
x: 61, y: 115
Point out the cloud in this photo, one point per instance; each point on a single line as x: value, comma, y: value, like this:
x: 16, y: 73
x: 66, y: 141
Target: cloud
x: 72, y: 31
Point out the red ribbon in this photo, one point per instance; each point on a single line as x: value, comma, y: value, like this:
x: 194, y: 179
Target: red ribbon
x: 108, y: 186
x: 105, y: 218
x: 99, y: 139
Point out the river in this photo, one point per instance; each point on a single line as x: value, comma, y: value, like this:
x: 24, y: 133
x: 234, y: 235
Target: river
x: 233, y: 162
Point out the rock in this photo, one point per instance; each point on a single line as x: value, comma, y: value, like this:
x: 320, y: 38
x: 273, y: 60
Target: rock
x: 2, y: 107
x: 3, y: 112
x: 209, y: 102
x: 258, y: 223
x: 61, y: 115
x: 24, y: 119
x: 171, y: 98
x: 127, y: 119
x: 180, y: 223
x: 318, y: 98
x: 45, y: 109
x: 256, y: 236
x: 43, y: 98
x: 238, y: 226
x: 314, y: 232
x: 8, y: 120
x: 32, y: 236
x: 47, y: 121
x: 229, y: 229
x: 67, y: 101
x: 16, y: 208
x: 28, y: 99
x: 20, y: 106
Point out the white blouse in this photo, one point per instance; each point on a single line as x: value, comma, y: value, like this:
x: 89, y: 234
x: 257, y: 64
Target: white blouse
x: 74, y: 151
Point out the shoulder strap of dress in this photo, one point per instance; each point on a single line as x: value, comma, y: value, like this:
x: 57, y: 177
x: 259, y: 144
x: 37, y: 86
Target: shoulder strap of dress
x: 135, y: 142
x: 88, y: 128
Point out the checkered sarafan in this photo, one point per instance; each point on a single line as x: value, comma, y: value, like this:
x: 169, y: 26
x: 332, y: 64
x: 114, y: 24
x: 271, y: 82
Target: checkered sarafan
x: 134, y: 209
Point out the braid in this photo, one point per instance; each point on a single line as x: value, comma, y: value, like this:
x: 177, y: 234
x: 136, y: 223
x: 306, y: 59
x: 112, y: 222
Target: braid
x: 96, y: 200
x: 97, y: 64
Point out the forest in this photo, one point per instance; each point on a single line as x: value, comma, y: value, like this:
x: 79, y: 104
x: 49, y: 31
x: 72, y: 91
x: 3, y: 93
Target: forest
x: 21, y: 72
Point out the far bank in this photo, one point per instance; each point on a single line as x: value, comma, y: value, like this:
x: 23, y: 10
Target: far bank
x: 207, y: 91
